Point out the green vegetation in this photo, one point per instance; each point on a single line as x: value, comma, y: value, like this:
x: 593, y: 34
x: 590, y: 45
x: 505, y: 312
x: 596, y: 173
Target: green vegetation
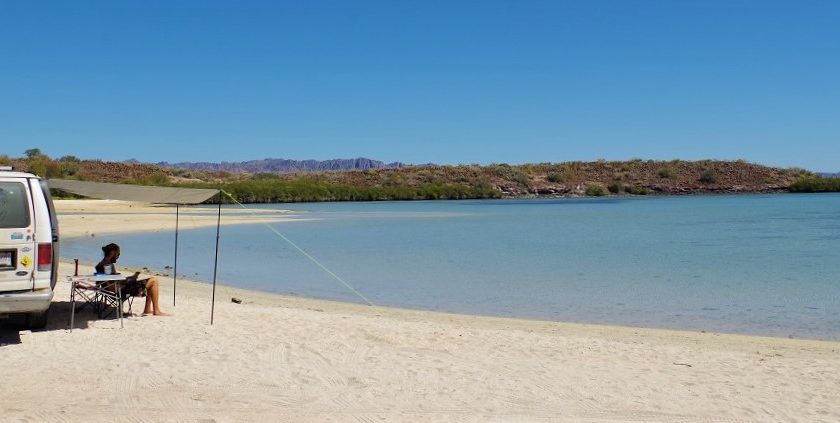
x: 637, y: 190
x: 34, y: 153
x: 709, y: 176
x: 816, y: 184
x: 522, y: 179
x: 307, y: 188
x: 595, y: 190
x: 158, y: 178
x: 666, y: 172
x: 618, y: 188
x: 557, y: 177
x: 516, y: 174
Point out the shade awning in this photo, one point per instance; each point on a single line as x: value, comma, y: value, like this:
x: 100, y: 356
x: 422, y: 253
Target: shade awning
x: 139, y: 193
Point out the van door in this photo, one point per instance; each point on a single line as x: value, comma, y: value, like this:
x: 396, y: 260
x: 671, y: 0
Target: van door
x: 17, y: 243
x: 45, y: 189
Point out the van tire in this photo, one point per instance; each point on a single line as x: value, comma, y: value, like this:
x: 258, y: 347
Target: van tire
x: 37, y: 320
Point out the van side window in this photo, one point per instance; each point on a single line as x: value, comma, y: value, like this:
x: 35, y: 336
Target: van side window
x: 14, y: 208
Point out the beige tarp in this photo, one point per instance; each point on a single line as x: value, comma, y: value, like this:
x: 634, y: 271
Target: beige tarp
x: 139, y: 193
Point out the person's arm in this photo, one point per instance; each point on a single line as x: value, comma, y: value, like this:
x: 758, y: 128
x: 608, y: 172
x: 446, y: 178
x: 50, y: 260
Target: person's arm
x: 100, y: 267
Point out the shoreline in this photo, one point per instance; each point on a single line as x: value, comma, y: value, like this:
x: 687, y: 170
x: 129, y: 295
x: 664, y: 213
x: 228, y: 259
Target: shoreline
x: 270, y: 299
x: 283, y: 358
x: 110, y: 215
x: 157, y: 218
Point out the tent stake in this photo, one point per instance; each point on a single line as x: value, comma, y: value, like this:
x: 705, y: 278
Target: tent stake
x: 216, y: 259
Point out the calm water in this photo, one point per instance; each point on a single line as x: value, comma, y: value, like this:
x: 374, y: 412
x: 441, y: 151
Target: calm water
x: 756, y: 264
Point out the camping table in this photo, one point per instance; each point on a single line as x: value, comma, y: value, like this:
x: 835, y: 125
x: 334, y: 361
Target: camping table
x: 101, y: 282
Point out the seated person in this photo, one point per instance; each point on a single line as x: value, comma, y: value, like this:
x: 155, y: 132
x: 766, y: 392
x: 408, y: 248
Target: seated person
x: 133, y: 285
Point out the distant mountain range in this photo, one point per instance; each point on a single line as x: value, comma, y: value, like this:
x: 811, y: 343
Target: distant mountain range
x: 284, y: 165
x: 829, y: 175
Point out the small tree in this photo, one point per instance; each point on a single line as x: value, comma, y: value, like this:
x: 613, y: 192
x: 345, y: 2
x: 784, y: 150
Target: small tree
x: 72, y: 159
x: 34, y: 153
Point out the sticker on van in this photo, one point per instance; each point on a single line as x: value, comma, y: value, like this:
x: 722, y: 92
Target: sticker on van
x: 17, y: 235
x: 25, y: 261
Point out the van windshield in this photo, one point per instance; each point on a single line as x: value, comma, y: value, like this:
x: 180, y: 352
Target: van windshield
x: 14, y: 209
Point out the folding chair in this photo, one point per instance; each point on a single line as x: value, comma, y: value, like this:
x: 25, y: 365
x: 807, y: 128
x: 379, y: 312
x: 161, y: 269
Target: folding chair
x: 102, y: 293
x: 128, y: 297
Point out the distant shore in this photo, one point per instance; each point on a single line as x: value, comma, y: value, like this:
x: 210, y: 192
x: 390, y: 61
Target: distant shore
x: 93, y: 217
x: 266, y: 182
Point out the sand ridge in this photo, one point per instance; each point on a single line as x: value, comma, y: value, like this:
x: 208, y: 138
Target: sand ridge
x: 99, y: 217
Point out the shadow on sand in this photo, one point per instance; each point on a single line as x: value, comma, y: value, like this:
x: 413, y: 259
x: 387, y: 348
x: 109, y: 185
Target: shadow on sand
x: 58, y: 319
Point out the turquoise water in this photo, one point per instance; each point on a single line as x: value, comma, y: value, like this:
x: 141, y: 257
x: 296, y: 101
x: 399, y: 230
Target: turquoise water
x: 753, y: 264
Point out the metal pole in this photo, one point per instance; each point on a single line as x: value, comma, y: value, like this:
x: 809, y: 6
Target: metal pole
x: 216, y: 260
x: 73, y: 284
x: 119, y: 300
x: 175, y: 267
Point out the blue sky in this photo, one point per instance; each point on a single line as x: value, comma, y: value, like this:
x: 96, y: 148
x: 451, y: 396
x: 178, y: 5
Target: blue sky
x: 423, y: 81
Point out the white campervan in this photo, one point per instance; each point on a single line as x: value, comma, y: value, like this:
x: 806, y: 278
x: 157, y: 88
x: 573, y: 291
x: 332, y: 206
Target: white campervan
x: 28, y: 247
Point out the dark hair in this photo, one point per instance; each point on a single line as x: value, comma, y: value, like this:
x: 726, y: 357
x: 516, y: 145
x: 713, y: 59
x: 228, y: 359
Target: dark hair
x: 109, y: 248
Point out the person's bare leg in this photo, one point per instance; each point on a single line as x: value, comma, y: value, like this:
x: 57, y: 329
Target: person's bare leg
x: 148, y: 308
x: 153, y: 298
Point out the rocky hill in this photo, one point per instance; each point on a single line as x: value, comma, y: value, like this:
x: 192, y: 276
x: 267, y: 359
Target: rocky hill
x: 591, y: 178
x: 284, y: 165
x: 634, y: 177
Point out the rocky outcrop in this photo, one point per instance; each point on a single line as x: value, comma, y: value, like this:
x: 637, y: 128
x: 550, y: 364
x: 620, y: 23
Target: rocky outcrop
x: 674, y: 177
x: 284, y: 165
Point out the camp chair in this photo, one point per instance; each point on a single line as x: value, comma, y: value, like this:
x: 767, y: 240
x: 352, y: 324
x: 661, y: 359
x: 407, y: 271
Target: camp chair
x: 102, y: 293
x: 128, y: 297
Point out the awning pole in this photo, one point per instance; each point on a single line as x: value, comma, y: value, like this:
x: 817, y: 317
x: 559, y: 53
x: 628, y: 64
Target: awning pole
x: 216, y: 260
x: 175, y: 267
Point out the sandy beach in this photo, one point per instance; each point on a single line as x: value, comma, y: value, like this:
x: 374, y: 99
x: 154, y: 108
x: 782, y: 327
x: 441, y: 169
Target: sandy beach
x: 98, y: 217
x: 279, y: 358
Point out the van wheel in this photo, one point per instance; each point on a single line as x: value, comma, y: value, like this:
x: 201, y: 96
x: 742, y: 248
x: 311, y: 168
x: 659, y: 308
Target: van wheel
x: 37, y: 320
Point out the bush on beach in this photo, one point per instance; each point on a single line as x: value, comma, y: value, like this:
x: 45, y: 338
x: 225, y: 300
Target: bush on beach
x: 637, y: 190
x: 595, y: 190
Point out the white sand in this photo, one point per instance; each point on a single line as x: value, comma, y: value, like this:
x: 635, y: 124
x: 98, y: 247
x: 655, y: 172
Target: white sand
x: 98, y: 217
x: 277, y: 358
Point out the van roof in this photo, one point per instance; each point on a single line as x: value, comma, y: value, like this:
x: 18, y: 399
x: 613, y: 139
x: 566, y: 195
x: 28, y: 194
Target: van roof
x: 14, y: 174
